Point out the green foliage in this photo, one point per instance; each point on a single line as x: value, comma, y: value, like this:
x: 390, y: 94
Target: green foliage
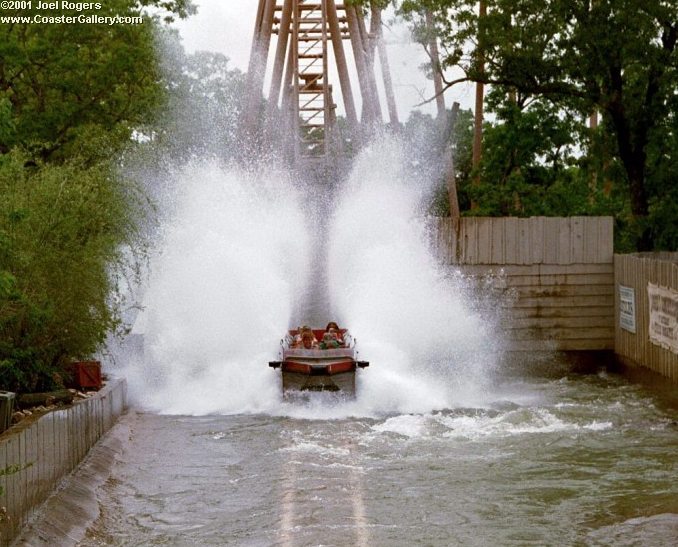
x: 204, y: 103
x: 62, y: 229
x: 618, y: 57
x: 71, y: 99
x: 66, y: 82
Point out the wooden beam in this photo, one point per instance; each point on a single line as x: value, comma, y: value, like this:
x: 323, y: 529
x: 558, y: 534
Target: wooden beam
x: 256, y: 38
x: 360, y: 63
x: 368, y: 48
x: 281, y: 50
x: 342, y: 67
x: 257, y: 65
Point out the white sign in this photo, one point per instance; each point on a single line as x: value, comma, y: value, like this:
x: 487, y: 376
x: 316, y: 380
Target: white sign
x: 663, y: 317
x: 627, y: 308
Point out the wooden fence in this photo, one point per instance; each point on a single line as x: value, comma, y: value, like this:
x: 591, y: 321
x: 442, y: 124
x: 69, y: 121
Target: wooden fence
x: 553, y: 278
x: 42, y: 452
x: 634, y: 274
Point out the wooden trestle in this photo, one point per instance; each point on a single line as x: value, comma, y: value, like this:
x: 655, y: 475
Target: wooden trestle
x: 300, y: 86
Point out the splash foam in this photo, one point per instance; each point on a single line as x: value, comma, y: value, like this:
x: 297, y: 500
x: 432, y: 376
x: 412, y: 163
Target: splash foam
x: 231, y: 261
x: 234, y: 265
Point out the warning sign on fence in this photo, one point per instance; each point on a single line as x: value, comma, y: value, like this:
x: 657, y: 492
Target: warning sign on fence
x: 627, y: 308
x: 663, y: 317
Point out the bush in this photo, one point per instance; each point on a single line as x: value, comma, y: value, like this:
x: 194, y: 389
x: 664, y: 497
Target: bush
x: 62, y: 229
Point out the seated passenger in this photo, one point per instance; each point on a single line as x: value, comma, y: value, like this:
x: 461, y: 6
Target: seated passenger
x: 336, y: 335
x: 308, y: 340
x: 329, y: 341
x: 331, y: 325
x: 296, y: 340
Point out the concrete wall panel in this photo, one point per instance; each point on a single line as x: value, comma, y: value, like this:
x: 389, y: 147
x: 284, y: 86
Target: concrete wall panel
x: 548, y: 272
x: 47, y: 448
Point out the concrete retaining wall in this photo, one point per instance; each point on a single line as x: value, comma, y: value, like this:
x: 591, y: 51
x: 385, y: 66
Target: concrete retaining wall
x: 47, y: 449
x: 551, y: 279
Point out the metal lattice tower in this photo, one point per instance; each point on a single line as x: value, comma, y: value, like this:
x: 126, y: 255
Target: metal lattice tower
x: 310, y: 35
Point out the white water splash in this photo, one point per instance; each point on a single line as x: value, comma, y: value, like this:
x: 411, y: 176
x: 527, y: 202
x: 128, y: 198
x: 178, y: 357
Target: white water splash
x: 427, y: 348
x: 231, y: 263
x: 234, y: 262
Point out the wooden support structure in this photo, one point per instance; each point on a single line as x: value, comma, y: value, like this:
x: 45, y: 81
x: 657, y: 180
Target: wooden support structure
x: 368, y: 115
x: 645, y: 293
x: 300, y: 84
x: 257, y: 65
x: 368, y: 49
x: 342, y: 66
x: 281, y: 49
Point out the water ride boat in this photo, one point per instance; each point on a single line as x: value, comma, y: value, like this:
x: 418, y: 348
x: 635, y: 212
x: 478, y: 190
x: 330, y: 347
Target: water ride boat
x: 330, y: 367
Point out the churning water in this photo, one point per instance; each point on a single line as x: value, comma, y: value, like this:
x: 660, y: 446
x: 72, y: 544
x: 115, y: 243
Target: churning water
x: 233, y: 254
x: 234, y: 268
x: 441, y: 447
x: 566, y: 460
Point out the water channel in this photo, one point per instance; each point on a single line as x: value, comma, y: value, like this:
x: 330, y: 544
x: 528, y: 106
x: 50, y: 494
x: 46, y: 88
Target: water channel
x: 564, y: 459
x: 447, y: 442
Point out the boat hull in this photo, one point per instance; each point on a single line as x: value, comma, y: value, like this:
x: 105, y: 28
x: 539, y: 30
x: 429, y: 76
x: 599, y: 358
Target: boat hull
x: 298, y: 382
x: 330, y: 370
x: 312, y: 369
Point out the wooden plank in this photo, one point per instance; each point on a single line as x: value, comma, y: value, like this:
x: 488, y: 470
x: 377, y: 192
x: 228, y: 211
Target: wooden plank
x: 563, y: 291
x: 606, y: 240
x: 591, y: 239
x: 498, y: 229
x: 523, y: 241
x: 536, y: 269
x: 559, y: 279
x: 512, y: 323
x: 453, y: 242
x: 585, y: 333
x: 511, y: 242
x: 32, y: 446
x: 537, y: 238
x: 550, y: 255
x: 464, y: 234
x: 562, y: 312
x: 484, y: 245
x: 572, y: 301
x: 5, y: 535
x: 577, y: 240
x: 558, y: 345
x: 564, y: 238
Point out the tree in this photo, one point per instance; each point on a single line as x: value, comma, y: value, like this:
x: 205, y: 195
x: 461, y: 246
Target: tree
x: 62, y: 232
x: 62, y: 86
x: 615, y: 56
x: 71, y: 98
x: 204, y: 95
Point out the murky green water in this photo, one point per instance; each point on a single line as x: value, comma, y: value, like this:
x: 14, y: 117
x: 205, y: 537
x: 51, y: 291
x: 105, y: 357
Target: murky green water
x: 576, y: 460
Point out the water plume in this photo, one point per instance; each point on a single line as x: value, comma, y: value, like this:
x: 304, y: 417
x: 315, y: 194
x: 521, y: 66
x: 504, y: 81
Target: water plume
x: 231, y: 259
x: 413, y: 320
x: 234, y: 268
